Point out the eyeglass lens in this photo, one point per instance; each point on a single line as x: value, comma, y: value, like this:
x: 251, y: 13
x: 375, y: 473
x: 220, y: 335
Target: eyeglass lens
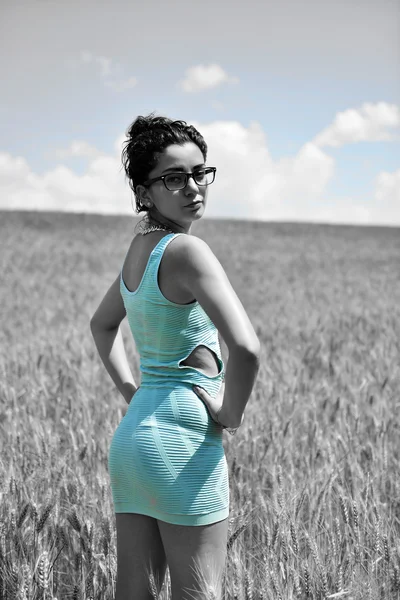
x: 177, y: 181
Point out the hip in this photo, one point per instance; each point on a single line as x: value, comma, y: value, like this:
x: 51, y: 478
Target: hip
x: 171, y: 407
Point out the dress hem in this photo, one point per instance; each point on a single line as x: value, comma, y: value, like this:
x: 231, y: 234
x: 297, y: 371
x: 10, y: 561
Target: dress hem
x: 174, y: 519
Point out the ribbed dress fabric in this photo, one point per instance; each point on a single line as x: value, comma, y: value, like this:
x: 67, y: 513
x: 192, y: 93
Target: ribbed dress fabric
x: 166, y: 458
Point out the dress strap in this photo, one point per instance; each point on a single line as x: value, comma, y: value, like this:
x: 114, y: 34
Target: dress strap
x: 159, y: 249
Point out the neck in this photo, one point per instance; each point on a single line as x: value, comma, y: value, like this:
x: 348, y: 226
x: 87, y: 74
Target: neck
x: 156, y: 218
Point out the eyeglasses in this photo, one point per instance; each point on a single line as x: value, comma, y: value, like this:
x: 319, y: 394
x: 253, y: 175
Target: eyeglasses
x: 178, y: 181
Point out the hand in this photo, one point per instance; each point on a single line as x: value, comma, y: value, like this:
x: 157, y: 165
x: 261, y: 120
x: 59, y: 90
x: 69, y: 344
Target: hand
x: 128, y: 396
x: 213, y: 404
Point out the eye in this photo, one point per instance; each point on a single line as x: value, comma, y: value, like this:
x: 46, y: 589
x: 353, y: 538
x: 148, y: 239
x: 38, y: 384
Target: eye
x: 174, y: 178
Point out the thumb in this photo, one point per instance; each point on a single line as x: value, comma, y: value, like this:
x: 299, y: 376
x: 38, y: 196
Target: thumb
x: 198, y: 390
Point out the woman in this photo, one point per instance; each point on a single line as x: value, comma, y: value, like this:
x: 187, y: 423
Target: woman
x: 167, y: 465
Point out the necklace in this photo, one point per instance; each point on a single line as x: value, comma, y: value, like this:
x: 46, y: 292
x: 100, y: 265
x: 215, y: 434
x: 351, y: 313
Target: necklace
x: 155, y: 228
x: 145, y: 226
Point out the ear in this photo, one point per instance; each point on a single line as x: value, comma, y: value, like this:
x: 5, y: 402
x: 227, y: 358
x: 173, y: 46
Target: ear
x: 144, y: 196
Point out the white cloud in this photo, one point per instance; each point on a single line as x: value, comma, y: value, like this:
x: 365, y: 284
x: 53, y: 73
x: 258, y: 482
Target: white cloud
x: 249, y: 184
x: 202, y: 77
x: 110, y: 72
x: 118, y: 144
x: 387, y: 195
x: 102, y: 61
x: 388, y: 186
x: 78, y: 148
x: 100, y: 189
x: 370, y: 123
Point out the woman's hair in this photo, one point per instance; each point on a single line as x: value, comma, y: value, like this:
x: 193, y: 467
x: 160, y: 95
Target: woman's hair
x: 147, y: 138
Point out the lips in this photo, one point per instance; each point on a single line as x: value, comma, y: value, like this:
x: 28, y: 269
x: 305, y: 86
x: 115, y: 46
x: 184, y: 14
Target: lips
x: 193, y: 204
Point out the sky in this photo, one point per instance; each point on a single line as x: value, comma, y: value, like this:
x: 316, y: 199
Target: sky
x: 298, y: 101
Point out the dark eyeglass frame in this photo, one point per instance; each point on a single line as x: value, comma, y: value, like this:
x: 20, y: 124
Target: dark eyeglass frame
x: 187, y: 175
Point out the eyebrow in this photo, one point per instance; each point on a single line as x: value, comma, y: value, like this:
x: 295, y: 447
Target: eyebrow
x: 181, y: 168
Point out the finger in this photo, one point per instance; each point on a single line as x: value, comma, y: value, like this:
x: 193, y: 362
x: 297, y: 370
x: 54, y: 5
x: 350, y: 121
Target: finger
x: 198, y: 390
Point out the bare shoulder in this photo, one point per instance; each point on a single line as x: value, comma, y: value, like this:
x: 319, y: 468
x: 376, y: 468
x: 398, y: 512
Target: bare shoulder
x: 192, y: 254
x: 189, y: 241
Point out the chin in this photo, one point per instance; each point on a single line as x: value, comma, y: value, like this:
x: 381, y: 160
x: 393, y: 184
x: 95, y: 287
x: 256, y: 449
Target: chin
x: 197, y: 216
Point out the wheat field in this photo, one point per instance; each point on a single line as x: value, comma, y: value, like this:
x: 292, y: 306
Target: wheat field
x: 314, y: 470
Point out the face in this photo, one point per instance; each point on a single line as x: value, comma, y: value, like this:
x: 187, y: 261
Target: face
x: 180, y: 207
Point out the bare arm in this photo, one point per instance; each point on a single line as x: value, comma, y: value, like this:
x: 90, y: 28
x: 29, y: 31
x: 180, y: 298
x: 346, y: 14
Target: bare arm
x: 105, y: 328
x: 204, y: 277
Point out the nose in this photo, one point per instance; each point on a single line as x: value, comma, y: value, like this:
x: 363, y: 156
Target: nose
x: 191, y: 184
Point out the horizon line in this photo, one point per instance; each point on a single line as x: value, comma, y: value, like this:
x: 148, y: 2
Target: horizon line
x: 227, y: 219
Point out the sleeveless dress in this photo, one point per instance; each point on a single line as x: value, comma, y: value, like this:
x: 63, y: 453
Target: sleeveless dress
x: 166, y: 458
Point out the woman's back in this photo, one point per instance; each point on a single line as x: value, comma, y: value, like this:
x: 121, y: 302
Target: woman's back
x: 175, y: 340
x: 136, y: 261
x: 170, y: 285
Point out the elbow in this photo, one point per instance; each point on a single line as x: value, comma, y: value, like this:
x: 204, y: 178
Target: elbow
x: 251, y: 351
x: 98, y: 325
x: 256, y: 347
x: 92, y: 328
x: 255, y: 353
x: 94, y: 325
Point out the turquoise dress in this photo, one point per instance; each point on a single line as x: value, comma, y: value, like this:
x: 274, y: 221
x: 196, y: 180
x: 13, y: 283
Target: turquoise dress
x: 166, y: 458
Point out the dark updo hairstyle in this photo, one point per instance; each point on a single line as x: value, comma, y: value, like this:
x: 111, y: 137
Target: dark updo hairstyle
x: 147, y: 138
